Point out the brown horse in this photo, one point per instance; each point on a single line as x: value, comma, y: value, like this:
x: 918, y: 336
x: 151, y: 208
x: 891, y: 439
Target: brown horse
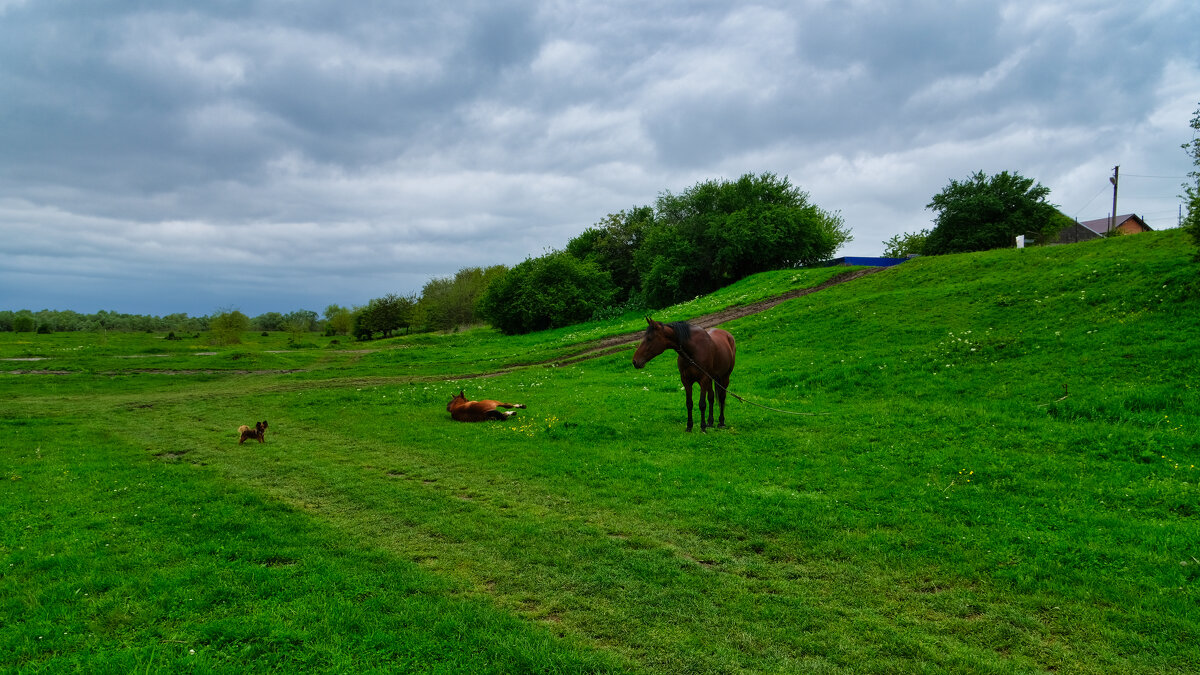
x: 478, y: 411
x: 258, y: 432
x: 704, y: 357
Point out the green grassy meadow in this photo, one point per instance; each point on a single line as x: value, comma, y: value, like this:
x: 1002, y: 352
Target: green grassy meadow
x: 993, y: 468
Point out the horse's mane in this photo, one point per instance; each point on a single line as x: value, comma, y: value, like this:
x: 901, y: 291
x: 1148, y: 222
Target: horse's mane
x: 683, y: 331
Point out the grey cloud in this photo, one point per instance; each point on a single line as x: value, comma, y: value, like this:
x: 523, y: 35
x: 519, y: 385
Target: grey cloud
x: 360, y: 149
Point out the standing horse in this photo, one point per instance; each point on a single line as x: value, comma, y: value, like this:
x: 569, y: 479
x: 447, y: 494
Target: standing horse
x: 478, y: 411
x: 704, y: 356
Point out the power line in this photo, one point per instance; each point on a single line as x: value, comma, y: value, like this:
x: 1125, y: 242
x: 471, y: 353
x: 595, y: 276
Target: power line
x: 1089, y: 202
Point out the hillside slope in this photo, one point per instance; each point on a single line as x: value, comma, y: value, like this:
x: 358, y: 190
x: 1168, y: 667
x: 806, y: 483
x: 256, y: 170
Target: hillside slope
x: 1003, y: 479
x: 1112, y: 320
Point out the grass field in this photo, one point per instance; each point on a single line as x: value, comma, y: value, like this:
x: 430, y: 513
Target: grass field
x: 994, y: 470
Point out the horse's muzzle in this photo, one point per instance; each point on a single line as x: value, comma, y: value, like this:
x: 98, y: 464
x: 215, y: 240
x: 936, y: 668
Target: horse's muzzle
x: 639, y: 364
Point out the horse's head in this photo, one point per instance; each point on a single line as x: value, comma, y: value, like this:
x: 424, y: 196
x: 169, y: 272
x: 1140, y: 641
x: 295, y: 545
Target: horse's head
x: 459, y: 399
x: 659, y: 338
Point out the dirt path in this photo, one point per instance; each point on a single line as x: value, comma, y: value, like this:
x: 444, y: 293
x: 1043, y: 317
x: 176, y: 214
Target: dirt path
x: 586, y: 351
x: 617, y: 342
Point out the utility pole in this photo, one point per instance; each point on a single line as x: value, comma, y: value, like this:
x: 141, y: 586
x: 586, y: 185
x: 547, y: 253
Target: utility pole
x: 1112, y: 221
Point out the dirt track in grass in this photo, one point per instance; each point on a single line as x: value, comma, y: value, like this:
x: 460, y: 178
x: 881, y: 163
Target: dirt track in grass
x: 616, y: 343
x: 589, y: 350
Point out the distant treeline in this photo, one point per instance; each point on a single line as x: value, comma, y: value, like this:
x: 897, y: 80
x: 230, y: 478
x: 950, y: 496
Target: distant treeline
x: 648, y: 257
x: 56, y: 321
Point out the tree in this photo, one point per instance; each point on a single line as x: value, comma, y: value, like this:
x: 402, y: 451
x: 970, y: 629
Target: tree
x: 986, y: 212
x: 904, y: 245
x: 612, y: 243
x: 450, y: 302
x: 556, y: 289
x: 301, y: 319
x: 718, y: 232
x: 338, y: 319
x: 361, y: 323
x: 298, y: 323
x: 24, y: 322
x: 228, y: 326
x: 383, y: 315
x: 1191, y: 190
x: 268, y: 321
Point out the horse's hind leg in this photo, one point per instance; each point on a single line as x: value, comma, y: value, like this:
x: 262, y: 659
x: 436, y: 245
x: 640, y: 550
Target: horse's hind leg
x: 706, y: 397
x: 510, y: 405
x: 722, y: 390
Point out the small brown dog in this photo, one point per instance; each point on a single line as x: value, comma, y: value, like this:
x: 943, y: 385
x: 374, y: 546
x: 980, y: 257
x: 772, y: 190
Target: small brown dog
x: 258, y: 431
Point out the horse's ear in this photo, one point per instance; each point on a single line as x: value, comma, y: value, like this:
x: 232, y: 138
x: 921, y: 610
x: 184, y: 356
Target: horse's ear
x: 649, y: 321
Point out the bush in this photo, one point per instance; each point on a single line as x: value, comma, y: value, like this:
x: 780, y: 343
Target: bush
x: 553, y: 290
x: 227, y: 327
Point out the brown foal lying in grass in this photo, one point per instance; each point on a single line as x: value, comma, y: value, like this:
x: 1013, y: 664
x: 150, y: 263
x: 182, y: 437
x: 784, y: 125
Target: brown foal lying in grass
x: 478, y: 411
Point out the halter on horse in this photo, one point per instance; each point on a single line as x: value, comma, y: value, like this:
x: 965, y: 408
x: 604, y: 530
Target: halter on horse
x: 704, y: 356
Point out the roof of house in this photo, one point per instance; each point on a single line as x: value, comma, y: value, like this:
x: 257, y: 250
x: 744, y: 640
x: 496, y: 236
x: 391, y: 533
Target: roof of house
x: 851, y: 261
x: 1100, y: 225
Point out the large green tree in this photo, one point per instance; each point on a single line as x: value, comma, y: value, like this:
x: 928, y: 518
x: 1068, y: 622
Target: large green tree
x: 719, y: 231
x: 986, y: 212
x: 1191, y: 189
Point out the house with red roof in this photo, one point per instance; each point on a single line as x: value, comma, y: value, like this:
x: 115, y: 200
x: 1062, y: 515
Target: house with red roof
x: 1129, y: 223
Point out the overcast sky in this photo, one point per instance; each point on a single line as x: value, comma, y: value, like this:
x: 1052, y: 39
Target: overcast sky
x: 279, y: 155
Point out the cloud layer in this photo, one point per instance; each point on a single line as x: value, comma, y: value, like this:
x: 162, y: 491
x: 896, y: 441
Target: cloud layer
x: 273, y: 156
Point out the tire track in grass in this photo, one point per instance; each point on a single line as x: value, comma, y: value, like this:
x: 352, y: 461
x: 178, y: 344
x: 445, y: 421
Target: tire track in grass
x: 616, y: 343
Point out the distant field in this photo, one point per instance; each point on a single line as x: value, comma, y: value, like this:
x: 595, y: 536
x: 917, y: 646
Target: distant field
x: 993, y: 467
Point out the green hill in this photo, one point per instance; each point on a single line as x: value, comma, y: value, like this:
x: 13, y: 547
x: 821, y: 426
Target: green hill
x: 991, y: 467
